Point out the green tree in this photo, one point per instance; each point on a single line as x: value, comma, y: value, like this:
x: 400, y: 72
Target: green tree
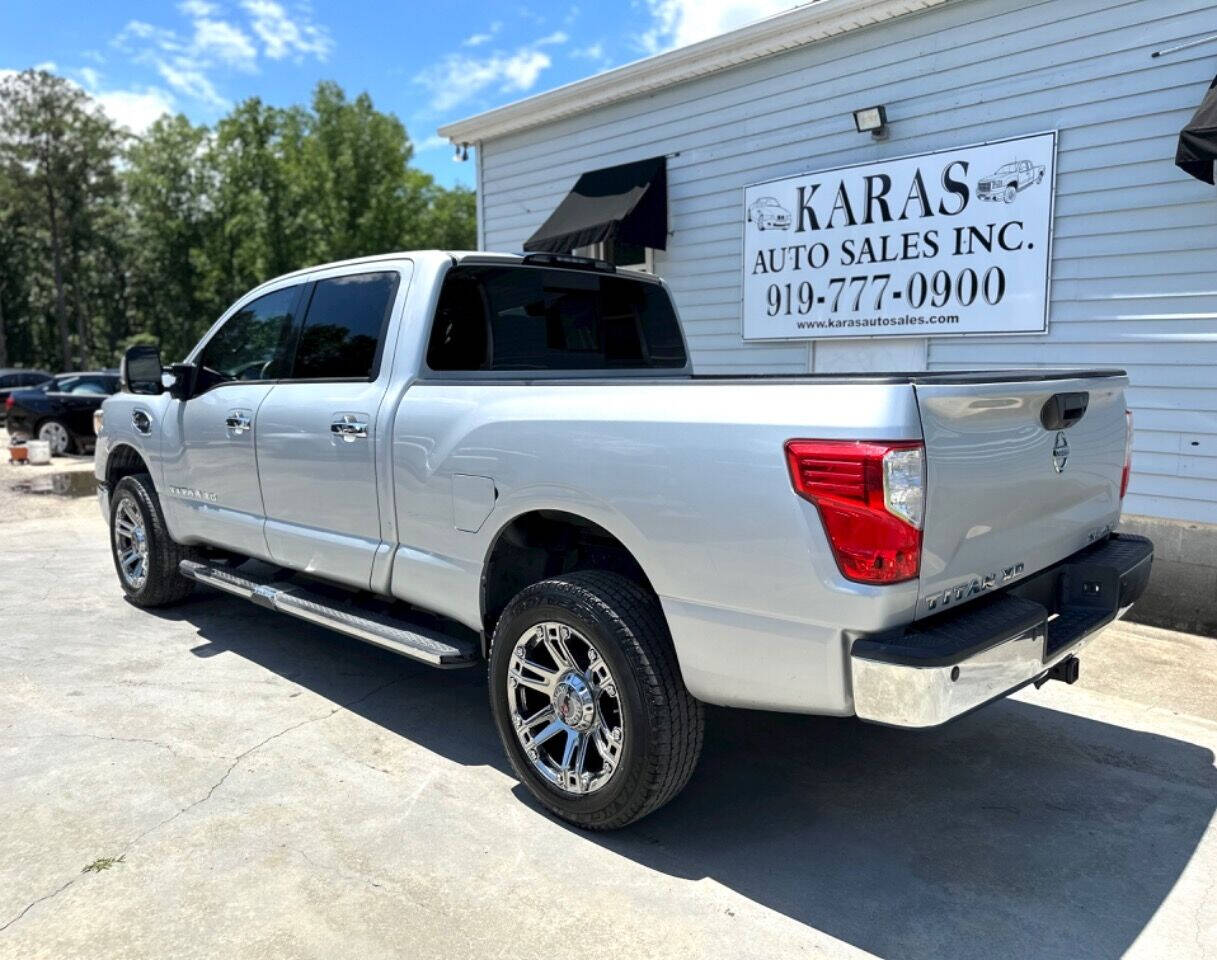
x: 168, y: 188
x: 449, y: 220
x: 66, y: 150
x: 354, y: 160
x: 15, y: 263
x: 108, y: 240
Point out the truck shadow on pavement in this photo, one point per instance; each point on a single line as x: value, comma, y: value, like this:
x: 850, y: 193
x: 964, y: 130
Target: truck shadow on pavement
x: 1016, y: 831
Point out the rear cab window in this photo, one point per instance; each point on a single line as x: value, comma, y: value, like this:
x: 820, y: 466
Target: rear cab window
x: 523, y: 318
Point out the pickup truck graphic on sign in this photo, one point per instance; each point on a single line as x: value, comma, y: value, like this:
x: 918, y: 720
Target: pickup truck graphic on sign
x: 767, y: 213
x: 1009, y: 179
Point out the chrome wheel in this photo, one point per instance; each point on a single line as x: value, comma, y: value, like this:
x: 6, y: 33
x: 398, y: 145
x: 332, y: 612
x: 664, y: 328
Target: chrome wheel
x: 131, y: 543
x: 565, y: 708
x: 56, y: 435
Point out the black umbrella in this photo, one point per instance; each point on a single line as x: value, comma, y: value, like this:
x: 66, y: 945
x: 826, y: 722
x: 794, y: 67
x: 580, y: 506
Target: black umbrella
x: 1198, y: 140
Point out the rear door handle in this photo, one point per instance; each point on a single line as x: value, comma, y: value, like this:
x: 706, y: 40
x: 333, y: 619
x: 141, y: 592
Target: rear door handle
x: 349, y: 427
x: 237, y: 422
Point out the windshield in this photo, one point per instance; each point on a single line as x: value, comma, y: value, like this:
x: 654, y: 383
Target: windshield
x: 1009, y: 168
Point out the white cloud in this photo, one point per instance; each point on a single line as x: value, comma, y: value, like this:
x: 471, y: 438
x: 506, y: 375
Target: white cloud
x: 224, y: 42
x: 433, y: 142
x: 188, y: 79
x: 458, y: 78
x: 187, y: 61
x: 197, y: 8
x: 677, y: 23
x: 554, y: 39
x: 135, y: 109
x: 50, y: 66
x: 593, y: 51
x: 282, y: 36
x: 479, y: 38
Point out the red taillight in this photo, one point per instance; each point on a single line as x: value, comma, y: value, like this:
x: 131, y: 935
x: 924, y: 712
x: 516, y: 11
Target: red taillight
x: 8, y: 402
x: 1127, y: 453
x: 870, y: 497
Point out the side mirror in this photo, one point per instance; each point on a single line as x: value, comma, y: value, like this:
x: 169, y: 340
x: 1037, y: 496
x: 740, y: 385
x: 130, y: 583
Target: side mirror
x: 185, y: 381
x: 141, y: 370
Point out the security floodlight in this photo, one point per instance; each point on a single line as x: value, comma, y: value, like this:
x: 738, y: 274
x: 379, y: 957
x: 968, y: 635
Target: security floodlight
x: 872, y: 120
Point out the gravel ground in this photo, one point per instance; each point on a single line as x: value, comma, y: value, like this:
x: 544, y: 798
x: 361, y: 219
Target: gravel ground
x: 215, y: 780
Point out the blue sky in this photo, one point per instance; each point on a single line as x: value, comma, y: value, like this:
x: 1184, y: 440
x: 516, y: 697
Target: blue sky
x: 428, y: 62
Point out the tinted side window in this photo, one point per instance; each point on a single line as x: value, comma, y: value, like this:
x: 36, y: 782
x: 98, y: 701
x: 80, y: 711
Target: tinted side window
x: 344, y: 326
x: 528, y: 318
x: 253, y: 344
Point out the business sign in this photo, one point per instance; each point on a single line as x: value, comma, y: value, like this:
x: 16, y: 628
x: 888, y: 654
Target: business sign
x: 946, y: 243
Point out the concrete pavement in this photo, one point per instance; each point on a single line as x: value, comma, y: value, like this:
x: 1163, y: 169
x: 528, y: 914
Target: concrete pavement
x: 245, y: 785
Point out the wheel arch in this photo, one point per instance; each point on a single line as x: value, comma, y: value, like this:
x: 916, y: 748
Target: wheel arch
x: 540, y: 543
x: 124, y: 461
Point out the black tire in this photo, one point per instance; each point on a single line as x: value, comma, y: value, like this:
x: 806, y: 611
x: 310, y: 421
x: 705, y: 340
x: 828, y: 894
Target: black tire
x: 663, y: 724
x: 162, y: 583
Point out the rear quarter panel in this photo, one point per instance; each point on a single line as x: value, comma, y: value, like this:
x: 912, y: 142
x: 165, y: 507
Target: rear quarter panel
x: 691, y: 477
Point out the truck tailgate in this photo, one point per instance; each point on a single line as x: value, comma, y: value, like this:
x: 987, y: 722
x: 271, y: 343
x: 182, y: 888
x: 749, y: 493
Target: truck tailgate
x: 1008, y: 495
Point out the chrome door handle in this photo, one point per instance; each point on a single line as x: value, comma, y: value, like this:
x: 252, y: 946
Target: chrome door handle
x: 349, y: 428
x: 237, y: 422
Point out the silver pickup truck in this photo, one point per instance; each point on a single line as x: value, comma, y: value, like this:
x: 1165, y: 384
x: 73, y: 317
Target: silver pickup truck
x: 467, y: 458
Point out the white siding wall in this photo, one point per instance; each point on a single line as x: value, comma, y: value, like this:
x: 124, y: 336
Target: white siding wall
x: 1135, y: 248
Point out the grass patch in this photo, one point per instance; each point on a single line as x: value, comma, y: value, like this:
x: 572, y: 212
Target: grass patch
x: 103, y: 863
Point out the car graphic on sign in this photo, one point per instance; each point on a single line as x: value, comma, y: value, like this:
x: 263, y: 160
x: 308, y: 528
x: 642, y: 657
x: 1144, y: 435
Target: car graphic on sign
x: 768, y: 214
x: 1006, y: 182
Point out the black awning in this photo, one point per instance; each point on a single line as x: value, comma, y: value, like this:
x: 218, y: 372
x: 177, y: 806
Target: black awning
x: 1198, y: 141
x: 626, y: 203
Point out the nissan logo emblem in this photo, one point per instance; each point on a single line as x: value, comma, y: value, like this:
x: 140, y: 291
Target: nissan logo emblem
x: 1060, y: 452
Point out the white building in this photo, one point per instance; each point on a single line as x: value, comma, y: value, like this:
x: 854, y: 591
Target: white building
x: 1132, y: 277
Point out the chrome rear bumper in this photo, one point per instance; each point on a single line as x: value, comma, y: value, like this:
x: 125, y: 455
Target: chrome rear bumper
x: 946, y: 666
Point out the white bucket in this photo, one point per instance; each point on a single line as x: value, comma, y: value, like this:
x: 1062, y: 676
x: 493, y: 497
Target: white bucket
x: 38, y: 451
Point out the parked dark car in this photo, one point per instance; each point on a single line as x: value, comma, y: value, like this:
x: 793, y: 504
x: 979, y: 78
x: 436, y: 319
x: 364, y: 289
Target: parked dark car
x: 60, y: 411
x: 13, y: 379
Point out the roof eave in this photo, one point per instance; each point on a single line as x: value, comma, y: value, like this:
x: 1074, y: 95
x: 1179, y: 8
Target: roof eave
x: 803, y: 25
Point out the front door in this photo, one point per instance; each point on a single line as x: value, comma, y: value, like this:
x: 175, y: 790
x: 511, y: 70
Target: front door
x: 211, y: 472
x: 317, y: 437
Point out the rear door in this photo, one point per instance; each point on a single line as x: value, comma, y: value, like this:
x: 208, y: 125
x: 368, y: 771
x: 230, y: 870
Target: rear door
x: 1012, y: 489
x: 317, y: 436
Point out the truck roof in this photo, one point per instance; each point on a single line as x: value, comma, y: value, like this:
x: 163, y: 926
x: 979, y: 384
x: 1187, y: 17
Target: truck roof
x: 458, y: 256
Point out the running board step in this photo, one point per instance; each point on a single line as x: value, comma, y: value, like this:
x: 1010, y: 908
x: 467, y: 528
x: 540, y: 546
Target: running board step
x: 419, y: 643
